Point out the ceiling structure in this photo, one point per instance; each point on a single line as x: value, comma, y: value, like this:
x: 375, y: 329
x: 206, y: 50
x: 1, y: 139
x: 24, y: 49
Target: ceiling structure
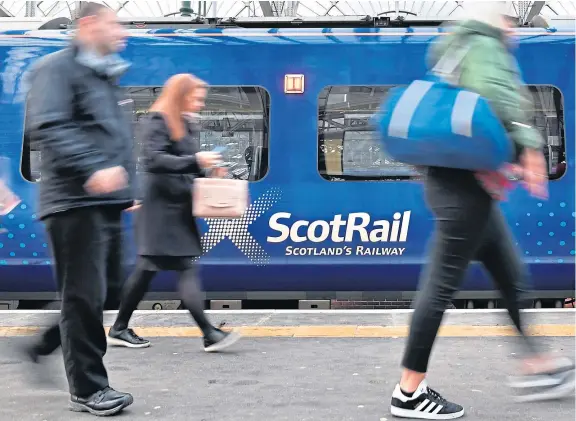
x: 525, y: 10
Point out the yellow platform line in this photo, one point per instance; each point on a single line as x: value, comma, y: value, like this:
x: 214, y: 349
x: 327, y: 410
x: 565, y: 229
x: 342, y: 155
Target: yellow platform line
x: 331, y: 331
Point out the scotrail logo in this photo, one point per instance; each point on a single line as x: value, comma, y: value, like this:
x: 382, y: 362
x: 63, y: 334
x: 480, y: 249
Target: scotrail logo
x: 357, y: 227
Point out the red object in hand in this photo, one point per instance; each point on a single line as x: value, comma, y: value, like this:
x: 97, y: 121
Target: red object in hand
x: 496, y: 183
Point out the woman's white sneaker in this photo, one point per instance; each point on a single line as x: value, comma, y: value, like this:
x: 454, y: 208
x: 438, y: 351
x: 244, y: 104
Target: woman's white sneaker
x: 556, y: 383
x: 424, y: 404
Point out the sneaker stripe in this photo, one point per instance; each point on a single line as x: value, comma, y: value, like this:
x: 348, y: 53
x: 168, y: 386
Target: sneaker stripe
x: 422, y: 405
x: 430, y: 407
x: 438, y: 409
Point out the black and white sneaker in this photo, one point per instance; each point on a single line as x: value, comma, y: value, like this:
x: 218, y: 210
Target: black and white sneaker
x: 126, y: 338
x: 424, y: 404
x: 553, y: 384
x: 220, y: 340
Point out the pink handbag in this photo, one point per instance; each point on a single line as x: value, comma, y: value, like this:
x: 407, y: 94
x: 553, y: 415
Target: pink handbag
x: 219, y: 198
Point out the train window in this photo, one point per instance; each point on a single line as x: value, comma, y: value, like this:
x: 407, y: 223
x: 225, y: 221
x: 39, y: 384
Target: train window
x: 548, y: 117
x: 348, y: 148
x: 235, y: 116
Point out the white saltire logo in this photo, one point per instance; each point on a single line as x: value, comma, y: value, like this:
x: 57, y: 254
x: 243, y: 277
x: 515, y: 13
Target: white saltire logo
x: 237, y: 229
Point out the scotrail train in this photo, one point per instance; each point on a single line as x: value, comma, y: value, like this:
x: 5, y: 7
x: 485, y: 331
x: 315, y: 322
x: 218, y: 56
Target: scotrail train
x: 331, y: 216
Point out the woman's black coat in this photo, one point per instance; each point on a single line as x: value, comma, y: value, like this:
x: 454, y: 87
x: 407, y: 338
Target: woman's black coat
x: 165, y: 225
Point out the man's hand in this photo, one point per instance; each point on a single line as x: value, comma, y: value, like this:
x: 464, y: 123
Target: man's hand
x: 107, y: 180
x: 219, y: 172
x: 534, y: 172
x: 135, y: 206
x: 208, y: 159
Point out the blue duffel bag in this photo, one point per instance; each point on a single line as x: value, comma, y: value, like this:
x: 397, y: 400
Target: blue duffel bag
x: 433, y: 122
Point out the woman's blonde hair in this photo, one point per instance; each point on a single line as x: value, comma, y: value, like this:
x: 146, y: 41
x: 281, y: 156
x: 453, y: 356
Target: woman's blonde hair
x: 172, y: 101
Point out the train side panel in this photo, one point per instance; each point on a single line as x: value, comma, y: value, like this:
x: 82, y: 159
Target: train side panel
x: 302, y: 232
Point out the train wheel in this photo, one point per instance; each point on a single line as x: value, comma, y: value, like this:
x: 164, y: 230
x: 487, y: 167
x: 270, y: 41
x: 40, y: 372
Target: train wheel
x: 538, y: 304
x: 491, y: 304
x: 558, y: 304
x: 470, y: 304
x: 157, y: 306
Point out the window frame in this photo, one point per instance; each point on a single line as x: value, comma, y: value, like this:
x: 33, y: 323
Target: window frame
x: 320, y: 136
x: 562, y: 129
x: 265, y: 101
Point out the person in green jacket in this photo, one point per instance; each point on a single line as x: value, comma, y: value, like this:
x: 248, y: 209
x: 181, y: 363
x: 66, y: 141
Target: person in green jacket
x: 469, y: 224
x: 490, y: 70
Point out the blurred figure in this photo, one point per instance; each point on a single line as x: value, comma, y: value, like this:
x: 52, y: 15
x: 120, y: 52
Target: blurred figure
x: 87, y: 170
x: 469, y: 224
x: 166, y: 231
x: 8, y: 199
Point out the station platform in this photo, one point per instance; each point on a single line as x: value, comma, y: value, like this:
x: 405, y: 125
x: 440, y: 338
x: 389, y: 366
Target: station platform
x: 333, y: 365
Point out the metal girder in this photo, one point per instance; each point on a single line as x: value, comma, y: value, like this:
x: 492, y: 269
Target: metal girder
x: 266, y: 8
x: 279, y: 8
x: 291, y: 8
x: 4, y: 13
x: 534, y: 11
x: 75, y: 13
x: 30, y: 9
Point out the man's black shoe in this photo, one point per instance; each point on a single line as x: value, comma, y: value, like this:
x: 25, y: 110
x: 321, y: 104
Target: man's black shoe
x: 103, y: 403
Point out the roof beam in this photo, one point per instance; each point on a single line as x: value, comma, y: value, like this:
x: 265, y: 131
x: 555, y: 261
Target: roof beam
x: 291, y: 9
x: 75, y: 13
x: 4, y: 13
x: 266, y: 7
x: 534, y: 11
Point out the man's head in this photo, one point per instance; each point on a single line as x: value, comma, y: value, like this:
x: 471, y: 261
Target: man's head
x: 98, y: 28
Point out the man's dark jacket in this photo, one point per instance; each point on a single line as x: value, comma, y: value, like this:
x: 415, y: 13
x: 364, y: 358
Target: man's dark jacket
x: 76, y: 120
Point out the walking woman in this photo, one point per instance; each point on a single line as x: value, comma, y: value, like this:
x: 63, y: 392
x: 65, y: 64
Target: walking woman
x: 469, y: 225
x: 166, y: 231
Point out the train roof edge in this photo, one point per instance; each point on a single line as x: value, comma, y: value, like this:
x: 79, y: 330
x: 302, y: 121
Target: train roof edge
x: 350, y: 22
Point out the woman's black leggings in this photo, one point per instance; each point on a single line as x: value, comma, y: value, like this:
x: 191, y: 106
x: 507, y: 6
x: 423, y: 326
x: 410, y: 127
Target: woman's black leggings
x: 468, y: 226
x: 138, y: 284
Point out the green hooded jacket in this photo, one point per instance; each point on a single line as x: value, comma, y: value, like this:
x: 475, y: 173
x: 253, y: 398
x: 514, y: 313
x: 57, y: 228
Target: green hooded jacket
x: 490, y: 70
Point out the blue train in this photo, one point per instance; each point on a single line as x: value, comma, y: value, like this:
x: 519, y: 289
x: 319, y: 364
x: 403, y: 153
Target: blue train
x: 331, y: 216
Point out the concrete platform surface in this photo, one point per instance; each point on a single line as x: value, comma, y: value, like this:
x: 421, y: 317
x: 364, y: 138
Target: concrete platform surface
x: 283, y: 379
x: 313, y: 323
x: 174, y: 318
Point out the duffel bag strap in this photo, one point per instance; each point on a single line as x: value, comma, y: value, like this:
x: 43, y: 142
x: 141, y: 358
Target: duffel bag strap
x: 448, y: 67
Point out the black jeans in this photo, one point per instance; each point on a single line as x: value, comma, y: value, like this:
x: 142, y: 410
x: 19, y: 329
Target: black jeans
x: 469, y: 225
x: 86, y: 244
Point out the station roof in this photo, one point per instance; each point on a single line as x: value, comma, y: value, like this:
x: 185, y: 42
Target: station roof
x: 225, y: 9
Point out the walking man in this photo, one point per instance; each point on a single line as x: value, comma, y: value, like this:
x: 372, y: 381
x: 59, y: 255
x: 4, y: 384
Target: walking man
x: 87, y: 170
